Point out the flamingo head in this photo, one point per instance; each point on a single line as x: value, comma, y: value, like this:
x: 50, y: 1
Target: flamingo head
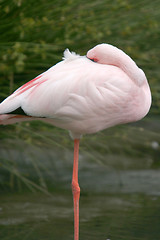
x: 99, y: 53
x: 111, y: 55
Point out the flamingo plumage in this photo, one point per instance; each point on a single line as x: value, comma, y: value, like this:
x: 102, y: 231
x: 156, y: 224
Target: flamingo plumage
x: 85, y: 94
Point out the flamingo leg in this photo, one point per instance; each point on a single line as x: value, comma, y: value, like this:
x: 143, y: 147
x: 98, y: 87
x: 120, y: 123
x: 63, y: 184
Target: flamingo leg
x: 76, y: 189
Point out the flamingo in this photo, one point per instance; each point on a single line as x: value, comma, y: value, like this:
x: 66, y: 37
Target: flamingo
x: 83, y: 94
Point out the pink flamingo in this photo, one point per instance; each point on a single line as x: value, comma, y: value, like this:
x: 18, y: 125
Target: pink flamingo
x: 84, y: 94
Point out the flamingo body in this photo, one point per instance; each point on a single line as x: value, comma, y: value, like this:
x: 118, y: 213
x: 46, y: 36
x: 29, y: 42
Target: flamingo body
x: 85, y: 96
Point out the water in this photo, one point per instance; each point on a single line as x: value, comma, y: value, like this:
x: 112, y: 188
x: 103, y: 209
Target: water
x: 102, y: 216
x: 120, y: 190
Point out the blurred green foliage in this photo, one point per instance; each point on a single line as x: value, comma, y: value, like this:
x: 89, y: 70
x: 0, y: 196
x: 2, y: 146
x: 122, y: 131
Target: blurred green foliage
x: 34, y: 34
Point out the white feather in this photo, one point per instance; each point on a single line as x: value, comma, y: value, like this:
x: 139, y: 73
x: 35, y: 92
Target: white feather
x: 70, y: 55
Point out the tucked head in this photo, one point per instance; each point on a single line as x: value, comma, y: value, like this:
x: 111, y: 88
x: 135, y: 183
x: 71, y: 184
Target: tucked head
x: 101, y: 53
x: 111, y: 55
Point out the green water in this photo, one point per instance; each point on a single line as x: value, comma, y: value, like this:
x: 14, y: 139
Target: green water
x: 119, y: 176
x: 102, y: 216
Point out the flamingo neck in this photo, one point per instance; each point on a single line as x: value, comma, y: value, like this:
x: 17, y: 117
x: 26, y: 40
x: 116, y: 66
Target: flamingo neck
x: 124, y: 62
x: 110, y: 55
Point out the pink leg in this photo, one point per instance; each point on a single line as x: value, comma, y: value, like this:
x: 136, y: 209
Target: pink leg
x: 76, y: 189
